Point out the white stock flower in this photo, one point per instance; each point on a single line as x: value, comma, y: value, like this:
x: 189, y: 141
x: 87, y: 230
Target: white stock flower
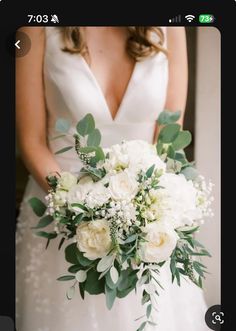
x: 98, y: 195
x: 161, y: 241
x: 67, y: 180
x: 180, y: 199
x: 78, y: 192
x: 158, y: 205
x: 117, y: 160
x: 59, y: 198
x: 93, y: 238
x: 123, y: 186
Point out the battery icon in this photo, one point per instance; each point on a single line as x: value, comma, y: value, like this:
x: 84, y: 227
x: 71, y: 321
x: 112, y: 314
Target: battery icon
x: 206, y: 18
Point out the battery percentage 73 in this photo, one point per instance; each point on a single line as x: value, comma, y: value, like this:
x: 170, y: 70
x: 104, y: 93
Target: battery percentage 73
x: 206, y: 18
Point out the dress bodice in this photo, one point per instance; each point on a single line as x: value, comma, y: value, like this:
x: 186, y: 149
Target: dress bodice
x: 72, y: 91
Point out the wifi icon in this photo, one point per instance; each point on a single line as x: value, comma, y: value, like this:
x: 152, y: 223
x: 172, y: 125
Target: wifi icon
x: 189, y: 18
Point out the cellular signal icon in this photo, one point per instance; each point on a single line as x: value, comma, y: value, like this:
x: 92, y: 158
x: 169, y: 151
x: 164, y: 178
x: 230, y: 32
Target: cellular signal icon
x: 54, y: 19
x: 189, y: 18
x: 176, y: 19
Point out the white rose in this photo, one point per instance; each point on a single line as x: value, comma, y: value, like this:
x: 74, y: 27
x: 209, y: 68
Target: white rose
x: 93, y: 238
x: 180, y: 199
x: 98, y: 195
x: 67, y: 180
x: 78, y: 192
x: 123, y: 186
x: 162, y: 240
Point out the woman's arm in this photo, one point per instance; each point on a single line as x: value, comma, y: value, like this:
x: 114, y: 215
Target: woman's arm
x: 31, y: 110
x: 178, y: 72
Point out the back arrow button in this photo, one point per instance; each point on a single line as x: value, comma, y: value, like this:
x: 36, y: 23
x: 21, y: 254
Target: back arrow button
x: 17, y: 44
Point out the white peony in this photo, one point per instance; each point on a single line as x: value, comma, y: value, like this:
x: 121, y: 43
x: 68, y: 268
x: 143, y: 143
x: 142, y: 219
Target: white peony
x: 93, y: 238
x: 67, y: 180
x: 123, y: 186
x: 134, y: 154
x: 142, y: 155
x: 78, y: 192
x: 180, y: 199
x: 98, y: 195
x: 161, y: 241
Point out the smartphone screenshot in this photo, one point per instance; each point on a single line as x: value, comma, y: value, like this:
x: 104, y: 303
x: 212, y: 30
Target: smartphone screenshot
x: 115, y: 212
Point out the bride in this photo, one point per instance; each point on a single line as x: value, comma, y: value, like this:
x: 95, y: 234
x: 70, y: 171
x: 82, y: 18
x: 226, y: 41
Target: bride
x: 124, y: 76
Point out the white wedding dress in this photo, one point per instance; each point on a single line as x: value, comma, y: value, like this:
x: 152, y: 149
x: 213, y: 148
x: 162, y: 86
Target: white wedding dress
x: 71, y: 91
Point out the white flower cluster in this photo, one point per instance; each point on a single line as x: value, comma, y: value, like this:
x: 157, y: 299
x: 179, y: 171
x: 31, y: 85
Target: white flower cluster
x: 204, y: 198
x: 127, y: 198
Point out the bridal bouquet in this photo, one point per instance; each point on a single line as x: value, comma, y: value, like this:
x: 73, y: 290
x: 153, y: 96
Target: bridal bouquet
x: 131, y: 208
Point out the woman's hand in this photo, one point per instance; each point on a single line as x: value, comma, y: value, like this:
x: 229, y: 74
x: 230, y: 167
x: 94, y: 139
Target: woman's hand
x: 31, y: 117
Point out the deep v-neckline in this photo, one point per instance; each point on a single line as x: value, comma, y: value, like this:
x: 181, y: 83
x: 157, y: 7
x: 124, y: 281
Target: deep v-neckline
x: 102, y: 96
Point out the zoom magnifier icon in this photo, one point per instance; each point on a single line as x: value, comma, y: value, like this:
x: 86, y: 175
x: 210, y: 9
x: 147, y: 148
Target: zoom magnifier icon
x: 217, y: 317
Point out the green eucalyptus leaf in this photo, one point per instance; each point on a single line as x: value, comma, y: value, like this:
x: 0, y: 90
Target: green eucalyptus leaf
x: 81, y: 276
x: 114, y: 274
x: 93, y: 285
x: 71, y: 254
x: 74, y: 268
x: 173, y: 166
x: 198, y: 269
x: 81, y: 289
x: 149, y: 172
x: 110, y: 296
x: 168, y: 117
x: 188, y: 229
x: 65, y: 278
x: 145, y: 297
x: 63, y: 150
x: 130, y: 239
x: 62, y: 125
x: 173, y: 266
x: 159, y: 147
x: 45, y: 221
x: 83, y: 260
x: 177, y: 275
x: 94, y: 138
x: 169, y: 133
x: 142, y: 326
x: 48, y: 235
x: 78, y: 219
x: 181, y: 158
x: 70, y: 292
x: 105, y: 263
x: 79, y: 205
x: 61, y: 243
x: 171, y: 152
x: 200, y: 282
x: 99, y: 156
x: 182, y: 140
x: 86, y: 125
x: 190, y: 173
x: 57, y: 137
x: 149, y: 310
x: 38, y: 206
x: 110, y: 282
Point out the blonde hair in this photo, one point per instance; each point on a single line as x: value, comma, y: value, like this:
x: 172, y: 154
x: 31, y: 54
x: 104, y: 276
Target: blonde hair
x: 143, y: 41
